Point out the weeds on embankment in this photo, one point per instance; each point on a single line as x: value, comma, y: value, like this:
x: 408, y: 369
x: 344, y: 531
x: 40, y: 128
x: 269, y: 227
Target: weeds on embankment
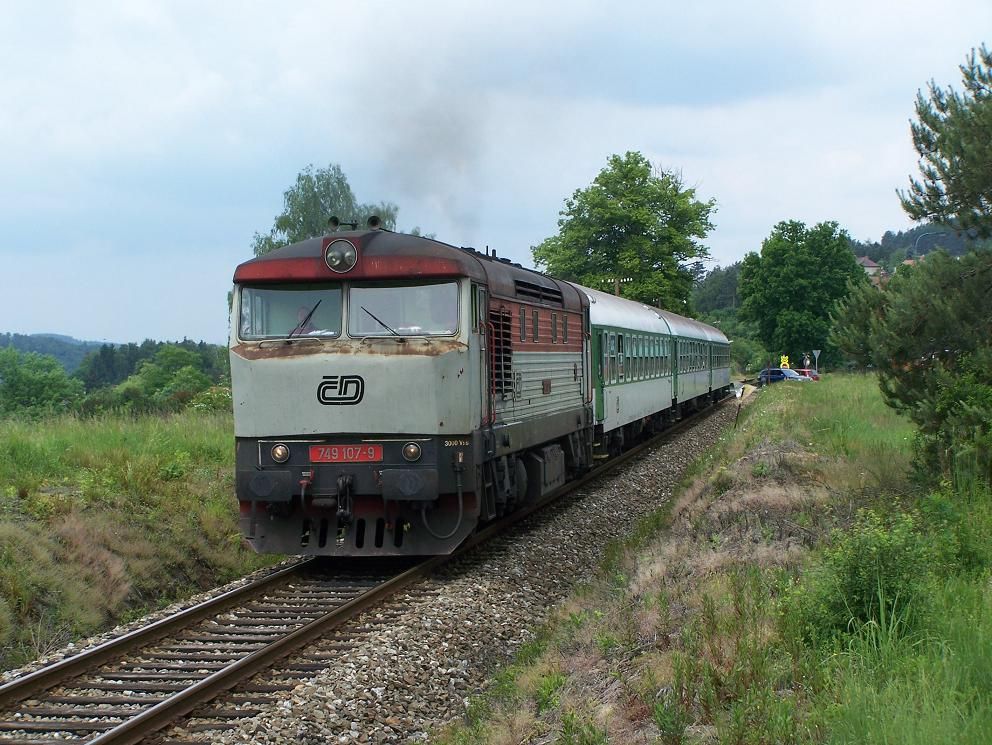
x: 799, y: 590
x: 104, y: 518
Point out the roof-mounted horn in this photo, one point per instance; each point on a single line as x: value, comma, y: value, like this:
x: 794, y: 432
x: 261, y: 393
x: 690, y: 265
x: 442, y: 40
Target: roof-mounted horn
x: 374, y: 222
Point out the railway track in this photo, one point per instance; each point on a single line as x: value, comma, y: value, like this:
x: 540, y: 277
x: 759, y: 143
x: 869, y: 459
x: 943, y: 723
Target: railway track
x: 125, y: 690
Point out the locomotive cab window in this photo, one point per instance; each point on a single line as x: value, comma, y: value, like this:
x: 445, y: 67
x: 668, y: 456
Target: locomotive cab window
x: 289, y: 311
x: 403, y: 309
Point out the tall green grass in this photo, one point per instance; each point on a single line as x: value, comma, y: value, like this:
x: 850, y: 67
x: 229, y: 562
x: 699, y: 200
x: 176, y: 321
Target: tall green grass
x: 101, y: 518
x: 929, y: 687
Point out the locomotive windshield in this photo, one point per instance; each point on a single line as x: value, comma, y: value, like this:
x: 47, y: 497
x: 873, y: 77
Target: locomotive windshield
x: 285, y: 311
x: 403, y: 309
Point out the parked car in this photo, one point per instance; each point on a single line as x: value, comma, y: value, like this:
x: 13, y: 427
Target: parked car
x: 778, y: 374
x: 808, y: 372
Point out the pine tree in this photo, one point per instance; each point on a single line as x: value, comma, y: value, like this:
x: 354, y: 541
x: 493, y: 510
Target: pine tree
x: 954, y: 140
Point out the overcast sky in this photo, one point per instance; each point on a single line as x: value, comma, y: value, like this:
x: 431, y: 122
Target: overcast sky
x: 143, y: 143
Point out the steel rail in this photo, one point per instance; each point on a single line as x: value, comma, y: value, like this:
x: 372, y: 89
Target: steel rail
x: 52, y: 675
x: 162, y: 714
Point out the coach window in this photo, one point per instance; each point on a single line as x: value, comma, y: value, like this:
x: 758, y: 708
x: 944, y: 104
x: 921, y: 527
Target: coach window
x: 621, y: 362
x: 604, y: 356
x: 523, y: 323
x: 613, y: 359
x: 554, y: 328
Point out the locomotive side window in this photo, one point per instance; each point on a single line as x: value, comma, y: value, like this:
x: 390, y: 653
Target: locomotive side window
x: 564, y: 329
x: 479, y: 302
x: 535, y: 324
x: 523, y: 323
x: 403, y: 309
x: 294, y: 310
x: 554, y: 328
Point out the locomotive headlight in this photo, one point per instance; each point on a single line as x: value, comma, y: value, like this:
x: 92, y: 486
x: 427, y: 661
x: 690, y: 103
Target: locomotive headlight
x: 280, y: 453
x: 340, y: 256
x: 411, y: 451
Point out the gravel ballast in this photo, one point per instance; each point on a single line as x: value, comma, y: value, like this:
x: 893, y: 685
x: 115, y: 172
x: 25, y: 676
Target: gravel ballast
x: 418, y: 658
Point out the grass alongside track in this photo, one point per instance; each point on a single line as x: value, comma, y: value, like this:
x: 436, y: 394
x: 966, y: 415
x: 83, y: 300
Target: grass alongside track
x: 800, y: 590
x: 102, y: 519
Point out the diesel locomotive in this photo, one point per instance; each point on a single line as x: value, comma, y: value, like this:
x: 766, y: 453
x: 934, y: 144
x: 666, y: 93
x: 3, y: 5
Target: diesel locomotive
x: 392, y: 392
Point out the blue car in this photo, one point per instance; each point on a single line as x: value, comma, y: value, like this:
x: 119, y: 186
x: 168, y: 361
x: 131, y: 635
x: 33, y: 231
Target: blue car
x: 778, y: 374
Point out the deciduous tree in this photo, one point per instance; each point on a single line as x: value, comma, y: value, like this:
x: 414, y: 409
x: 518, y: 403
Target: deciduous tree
x: 34, y: 384
x: 790, y: 289
x: 953, y: 136
x: 635, y: 227
x: 317, y: 195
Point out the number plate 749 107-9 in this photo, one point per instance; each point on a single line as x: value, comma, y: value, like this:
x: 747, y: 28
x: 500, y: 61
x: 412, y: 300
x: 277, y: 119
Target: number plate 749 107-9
x: 345, y: 453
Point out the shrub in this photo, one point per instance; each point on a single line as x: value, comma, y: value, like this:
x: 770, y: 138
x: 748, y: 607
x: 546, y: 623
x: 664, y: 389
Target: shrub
x: 215, y: 398
x: 961, y: 530
x: 874, y: 570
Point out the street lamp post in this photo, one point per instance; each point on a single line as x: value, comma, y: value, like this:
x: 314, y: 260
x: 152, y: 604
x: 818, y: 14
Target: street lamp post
x: 924, y: 235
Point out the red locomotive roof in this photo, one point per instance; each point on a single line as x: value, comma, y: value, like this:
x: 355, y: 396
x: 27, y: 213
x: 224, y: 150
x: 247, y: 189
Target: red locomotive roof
x: 386, y: 255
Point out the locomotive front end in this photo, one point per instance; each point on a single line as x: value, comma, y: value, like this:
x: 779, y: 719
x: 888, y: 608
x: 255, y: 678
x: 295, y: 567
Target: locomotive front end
x: 355, y: 376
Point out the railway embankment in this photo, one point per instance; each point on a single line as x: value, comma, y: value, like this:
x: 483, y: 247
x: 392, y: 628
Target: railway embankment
x: 105, y: 518
x: 799, y: 588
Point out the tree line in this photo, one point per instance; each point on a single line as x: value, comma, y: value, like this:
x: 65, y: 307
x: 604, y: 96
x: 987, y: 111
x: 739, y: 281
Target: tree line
x: 151, y: 377
x: 68, y: 351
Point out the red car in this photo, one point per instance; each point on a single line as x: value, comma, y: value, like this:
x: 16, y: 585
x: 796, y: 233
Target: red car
x: 808, y: 372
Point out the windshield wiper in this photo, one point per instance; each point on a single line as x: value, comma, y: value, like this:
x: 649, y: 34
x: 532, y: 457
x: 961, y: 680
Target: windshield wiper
x: 303, y: 324
x: 381, y: 323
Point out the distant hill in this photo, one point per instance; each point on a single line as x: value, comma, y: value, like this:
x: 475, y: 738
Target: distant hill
x: 67, y: 350
x: 895, y: 247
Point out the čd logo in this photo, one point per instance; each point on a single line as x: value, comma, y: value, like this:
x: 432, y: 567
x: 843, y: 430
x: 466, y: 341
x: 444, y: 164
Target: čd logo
x: 341, y: 390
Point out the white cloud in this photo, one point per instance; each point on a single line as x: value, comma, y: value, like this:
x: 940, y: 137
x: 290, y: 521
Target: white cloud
x: 145, y: 130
